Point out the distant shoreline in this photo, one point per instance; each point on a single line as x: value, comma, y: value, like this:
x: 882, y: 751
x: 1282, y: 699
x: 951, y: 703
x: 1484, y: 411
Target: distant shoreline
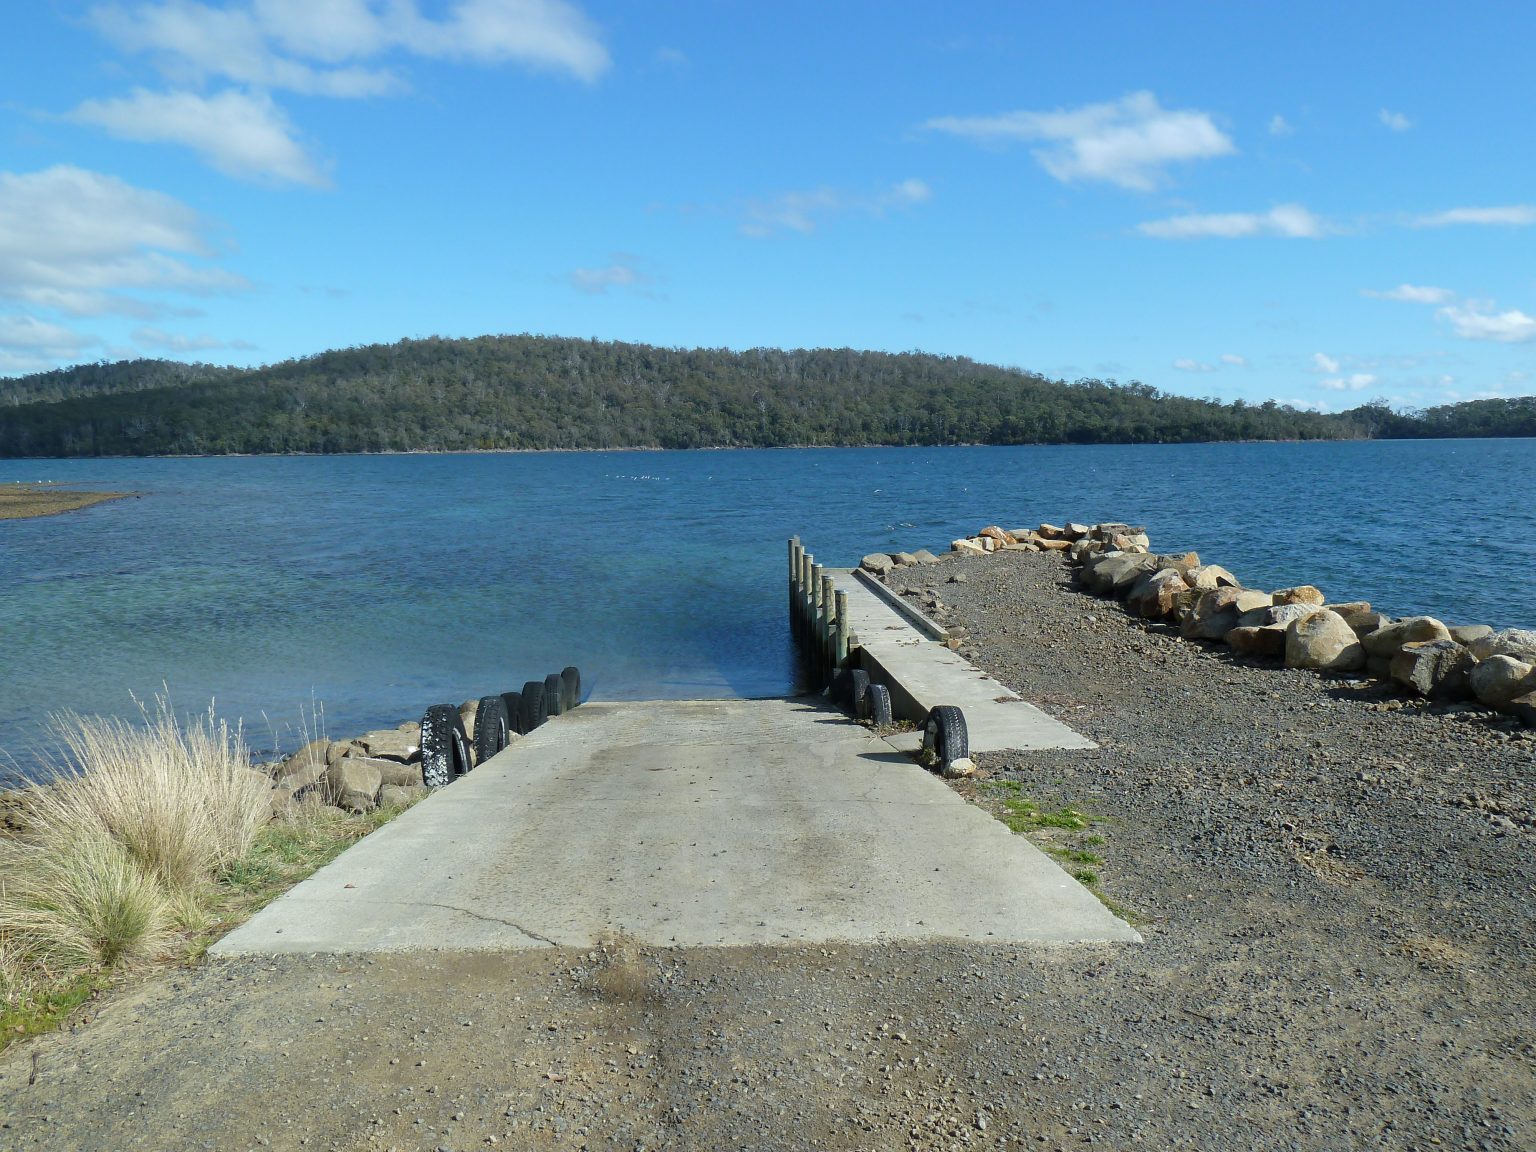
x: 25, y: 501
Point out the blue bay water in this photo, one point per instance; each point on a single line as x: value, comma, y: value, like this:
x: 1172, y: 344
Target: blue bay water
x: 368, y: 587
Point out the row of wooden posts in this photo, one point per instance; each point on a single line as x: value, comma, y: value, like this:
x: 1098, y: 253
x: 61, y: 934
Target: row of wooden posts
x: 818, y: 618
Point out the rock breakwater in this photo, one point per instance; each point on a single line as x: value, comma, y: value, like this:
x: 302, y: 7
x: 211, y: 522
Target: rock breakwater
x: 1297, y: 627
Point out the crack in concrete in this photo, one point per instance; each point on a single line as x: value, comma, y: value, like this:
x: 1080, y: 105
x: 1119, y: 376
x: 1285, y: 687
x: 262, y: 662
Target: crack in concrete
x: 491, y: 920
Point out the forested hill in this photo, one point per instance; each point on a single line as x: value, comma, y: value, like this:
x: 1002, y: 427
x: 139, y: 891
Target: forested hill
x: 100, y: 379
x: 546, y: 392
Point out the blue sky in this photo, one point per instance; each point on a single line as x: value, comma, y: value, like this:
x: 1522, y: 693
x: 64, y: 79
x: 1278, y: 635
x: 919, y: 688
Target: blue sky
x: 1320, y: 204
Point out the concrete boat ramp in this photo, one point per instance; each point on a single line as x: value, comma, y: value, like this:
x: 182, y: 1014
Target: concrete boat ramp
x: 705, y: 823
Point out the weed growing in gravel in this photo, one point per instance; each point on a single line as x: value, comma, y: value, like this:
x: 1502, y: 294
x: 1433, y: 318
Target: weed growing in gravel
x: 1063, y: 834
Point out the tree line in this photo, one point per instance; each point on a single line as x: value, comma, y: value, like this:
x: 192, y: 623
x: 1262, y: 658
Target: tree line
x: 534, y: 392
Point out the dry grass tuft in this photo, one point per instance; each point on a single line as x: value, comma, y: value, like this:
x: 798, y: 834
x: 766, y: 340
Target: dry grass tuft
x: 183, y: 801
x: 92, y: 906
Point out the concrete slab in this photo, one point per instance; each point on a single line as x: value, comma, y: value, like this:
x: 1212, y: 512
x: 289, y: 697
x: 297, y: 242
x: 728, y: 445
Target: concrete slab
x: 717, y: 822
x: 901, y: 651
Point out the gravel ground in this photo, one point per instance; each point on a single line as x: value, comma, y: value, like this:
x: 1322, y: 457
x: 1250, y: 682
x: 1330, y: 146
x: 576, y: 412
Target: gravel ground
x: 1336, y: 894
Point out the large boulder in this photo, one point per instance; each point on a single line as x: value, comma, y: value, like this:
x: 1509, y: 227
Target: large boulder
x: 304, y: 767
x: 878, y: 563
x: 1104, y: 572
x: 1436, y: 668
x: 1467, y: 633
x: 967, y: 547
x: 1157, y: 594
x: 923, y: 556
x: 1324, y: 642
x: 402, y: 795
x: 1052, y: 532
x: 1052, y: 545
x: 1182, y: 562
x: 1301, y: 594
x: 1112, y: 528
x: 1351, y: 610
x: 1084, y: 547
x: 1250, y: 598
x: 1206, y: 576
x: 1212, y: 616
x: 1000, y: 536
x: 1500, y: 679
x: 390, y: 771
x: 1276, y: 615
x: 1524, y: 707
x: 353, y: 785
x: 1268, y: 640
x: 1126, y: 540
x: 1516, y: 642
x: 1388, y: 640
x: 391, y: 744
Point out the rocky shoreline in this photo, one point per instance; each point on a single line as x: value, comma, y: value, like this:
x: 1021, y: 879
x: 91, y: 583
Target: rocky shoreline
x: 1296, y: 626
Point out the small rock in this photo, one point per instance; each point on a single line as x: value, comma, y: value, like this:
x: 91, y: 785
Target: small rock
x: 956, y: 769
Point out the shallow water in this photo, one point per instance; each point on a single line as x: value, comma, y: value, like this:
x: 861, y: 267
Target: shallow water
x: 356, y: 590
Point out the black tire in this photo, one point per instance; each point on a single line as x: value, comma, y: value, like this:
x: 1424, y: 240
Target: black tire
x: 554, y: 694
x: 514, y: 705
x: 491, y: 727
x: 877, y: 702
x: 842, y: 687
x: 531, y: 710
x: 572, y: 678
x: 944, y: 734
x: 444, y: 746
x: 858, y: 687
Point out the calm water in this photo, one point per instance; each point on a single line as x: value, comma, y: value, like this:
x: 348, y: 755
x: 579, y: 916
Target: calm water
x: 370, y: 587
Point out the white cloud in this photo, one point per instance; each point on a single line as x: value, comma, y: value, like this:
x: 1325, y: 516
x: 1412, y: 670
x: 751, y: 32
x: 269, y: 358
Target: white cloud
x: 270, y: 43
x: 671, y: 57
x: 1128, y: 142
x: 1357, y: 382
x: 25, y: 337
x: 1235, y: 360
x: 803, y: 211
x: 1412, y: 294
x: 621, y: 273
x: 1515, y: 215
x: 1322, y: 362
x: 1280, y: 126
x: 175, y: 342
x: 538, y: 33
x: 241, y: 134
x: 86, y: 244
x: 1290, y: 220
x: 1395, y: 120
x: 1477, y: 320
x: 1185, y: 364
x: 193, y: 42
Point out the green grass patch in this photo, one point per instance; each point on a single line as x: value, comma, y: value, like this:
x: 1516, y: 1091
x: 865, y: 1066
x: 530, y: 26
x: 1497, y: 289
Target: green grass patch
x: 1065, y: 834
x: 284, y: 853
